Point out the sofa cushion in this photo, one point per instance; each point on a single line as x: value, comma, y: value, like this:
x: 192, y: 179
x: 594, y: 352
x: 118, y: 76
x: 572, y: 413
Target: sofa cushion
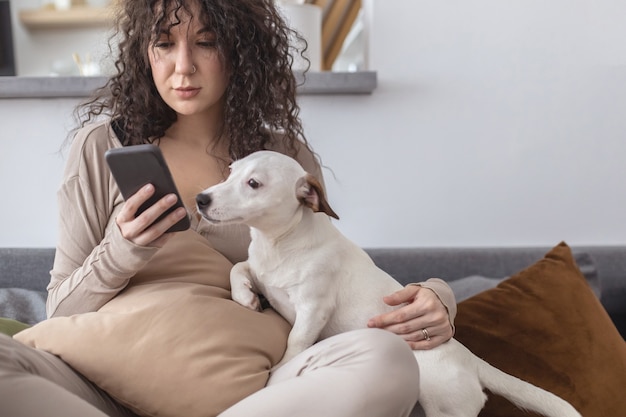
x: 11, y: 327
x: 28, y: 306
x: 467, y: 287
x: 546, y: 326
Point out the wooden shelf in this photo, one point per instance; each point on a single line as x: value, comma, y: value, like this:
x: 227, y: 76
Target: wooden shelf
x: 76, y: 17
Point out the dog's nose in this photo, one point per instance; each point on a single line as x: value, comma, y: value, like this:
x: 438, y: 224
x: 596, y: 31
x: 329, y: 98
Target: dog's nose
x: 203, y: 200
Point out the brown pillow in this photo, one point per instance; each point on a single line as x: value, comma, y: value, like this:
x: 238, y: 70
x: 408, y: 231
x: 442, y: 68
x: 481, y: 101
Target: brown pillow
x: 545, y: 325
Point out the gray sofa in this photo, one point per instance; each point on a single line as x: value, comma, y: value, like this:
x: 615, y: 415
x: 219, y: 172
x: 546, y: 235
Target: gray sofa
x: 470, y: 270
x: 24, y: 273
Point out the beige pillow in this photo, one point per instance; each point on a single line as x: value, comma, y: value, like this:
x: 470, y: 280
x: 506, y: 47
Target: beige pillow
x: 170, y: 348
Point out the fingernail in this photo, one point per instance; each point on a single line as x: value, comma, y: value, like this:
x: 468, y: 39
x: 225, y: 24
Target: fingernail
x: 148, y: 188
x: 171, y: 198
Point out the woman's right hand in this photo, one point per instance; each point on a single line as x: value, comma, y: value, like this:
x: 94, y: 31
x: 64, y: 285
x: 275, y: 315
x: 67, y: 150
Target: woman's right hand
x: 140, y: 229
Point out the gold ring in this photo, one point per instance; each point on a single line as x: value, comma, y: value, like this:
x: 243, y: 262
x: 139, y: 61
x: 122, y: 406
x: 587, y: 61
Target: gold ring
x: 426, y: 336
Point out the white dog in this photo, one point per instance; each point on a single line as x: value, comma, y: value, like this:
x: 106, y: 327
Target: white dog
x: 324, y: 284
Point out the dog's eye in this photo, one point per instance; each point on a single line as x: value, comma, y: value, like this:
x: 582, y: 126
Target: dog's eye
x: 254, y: 184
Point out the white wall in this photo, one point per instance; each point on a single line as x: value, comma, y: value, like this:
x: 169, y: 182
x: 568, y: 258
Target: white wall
x: 495, y: 123
x: 31, y: 134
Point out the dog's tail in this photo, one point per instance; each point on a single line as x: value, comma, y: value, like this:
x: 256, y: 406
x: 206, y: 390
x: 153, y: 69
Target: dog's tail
x: 524, y: 395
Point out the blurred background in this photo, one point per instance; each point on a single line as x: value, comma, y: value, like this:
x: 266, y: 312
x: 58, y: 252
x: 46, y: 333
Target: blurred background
x: 494, y: 123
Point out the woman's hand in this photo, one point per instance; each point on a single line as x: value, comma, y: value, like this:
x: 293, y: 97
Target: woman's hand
x: 424, y: 322
x: 140, y: 229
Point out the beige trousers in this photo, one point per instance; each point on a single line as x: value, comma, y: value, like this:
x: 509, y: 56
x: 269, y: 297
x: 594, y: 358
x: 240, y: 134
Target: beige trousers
x: 364, y: 373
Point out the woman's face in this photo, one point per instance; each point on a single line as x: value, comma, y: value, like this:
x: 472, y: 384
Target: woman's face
x: 186, y: 66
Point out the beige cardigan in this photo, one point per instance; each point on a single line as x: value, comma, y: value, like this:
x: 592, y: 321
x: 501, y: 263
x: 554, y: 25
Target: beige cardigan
x: 94, y: 262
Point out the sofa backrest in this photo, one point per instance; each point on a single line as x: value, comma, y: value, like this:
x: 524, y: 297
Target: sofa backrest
x: 27, y: 268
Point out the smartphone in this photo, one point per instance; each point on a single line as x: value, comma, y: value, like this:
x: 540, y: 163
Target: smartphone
x: 137, y: 165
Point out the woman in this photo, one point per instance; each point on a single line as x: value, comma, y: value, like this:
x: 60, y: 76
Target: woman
x: 141, y: 321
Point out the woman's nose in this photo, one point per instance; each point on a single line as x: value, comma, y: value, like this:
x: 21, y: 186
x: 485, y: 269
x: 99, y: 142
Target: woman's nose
x: 184, y: 60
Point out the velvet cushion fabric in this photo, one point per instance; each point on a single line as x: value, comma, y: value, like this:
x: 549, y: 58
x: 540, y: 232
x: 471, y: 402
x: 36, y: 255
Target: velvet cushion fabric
x: 545, y: 325
x: 11, y: 327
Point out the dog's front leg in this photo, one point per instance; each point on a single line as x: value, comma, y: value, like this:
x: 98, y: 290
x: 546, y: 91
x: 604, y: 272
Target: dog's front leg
x: 306, y: 330
x: 242, y: 287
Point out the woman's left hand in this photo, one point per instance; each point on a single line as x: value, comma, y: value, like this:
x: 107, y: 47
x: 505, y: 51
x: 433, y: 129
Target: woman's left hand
x: 424, y: 322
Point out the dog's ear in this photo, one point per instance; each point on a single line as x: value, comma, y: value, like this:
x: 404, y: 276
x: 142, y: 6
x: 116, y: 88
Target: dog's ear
x: 311, y: 193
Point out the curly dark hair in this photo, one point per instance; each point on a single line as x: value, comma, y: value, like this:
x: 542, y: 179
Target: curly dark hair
x: 253, y: 40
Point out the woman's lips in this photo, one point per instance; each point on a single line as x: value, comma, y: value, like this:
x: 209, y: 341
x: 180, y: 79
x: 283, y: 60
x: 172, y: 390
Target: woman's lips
x: 186, y: 92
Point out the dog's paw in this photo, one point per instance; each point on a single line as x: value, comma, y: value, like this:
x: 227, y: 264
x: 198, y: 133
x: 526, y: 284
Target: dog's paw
x: 244, y: 295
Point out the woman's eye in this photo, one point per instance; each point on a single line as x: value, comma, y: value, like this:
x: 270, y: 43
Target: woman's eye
x: 162, y: 44
x: 207, y: 44
x: 254, y: 184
